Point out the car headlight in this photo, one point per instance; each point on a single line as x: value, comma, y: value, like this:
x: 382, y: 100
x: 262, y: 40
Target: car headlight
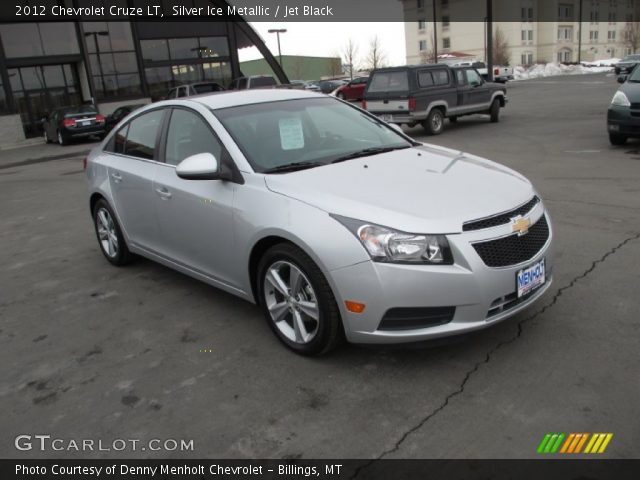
x: 620, y: 99
x: 387, y: 245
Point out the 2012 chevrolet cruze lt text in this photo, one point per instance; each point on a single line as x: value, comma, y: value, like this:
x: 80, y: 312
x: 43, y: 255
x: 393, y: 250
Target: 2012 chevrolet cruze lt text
x: 334, y: 222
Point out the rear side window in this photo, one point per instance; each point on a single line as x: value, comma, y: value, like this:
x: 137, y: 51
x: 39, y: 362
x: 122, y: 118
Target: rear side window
x: 425, y: 79
x: 460, y: 77
x: 141, y: 137
x: 389, y: 82
x: 440, y: 77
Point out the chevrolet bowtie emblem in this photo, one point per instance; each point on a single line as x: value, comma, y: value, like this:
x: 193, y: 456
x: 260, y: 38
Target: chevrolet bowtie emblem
x: 520, y: 225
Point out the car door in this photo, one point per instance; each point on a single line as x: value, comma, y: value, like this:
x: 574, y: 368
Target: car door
x: 479, y: 93
x: 131, y: 168
x: 463, y: 88
x: 195, y: 216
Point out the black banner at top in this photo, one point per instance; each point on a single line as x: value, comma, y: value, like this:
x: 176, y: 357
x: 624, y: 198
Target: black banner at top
x: 524, y: 11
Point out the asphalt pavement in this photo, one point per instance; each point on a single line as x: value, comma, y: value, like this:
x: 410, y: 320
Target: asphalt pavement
x: 90, y: 351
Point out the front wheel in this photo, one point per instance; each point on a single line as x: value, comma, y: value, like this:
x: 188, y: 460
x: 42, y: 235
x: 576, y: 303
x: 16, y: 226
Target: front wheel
x: 297, y: 301
x: 109, y: 235
x: 494, y: 112
x: 434, y: 124
x: 617, y: 139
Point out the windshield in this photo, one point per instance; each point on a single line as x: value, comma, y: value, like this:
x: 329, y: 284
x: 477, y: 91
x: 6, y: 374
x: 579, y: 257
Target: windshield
x: 631, y: 58
x: 316, y: 131
x: 635, y: 75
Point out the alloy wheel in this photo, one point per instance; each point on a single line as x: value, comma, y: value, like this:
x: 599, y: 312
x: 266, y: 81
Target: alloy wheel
x: 107, y: 233
x: 436, y: 123
x: 292, y: 302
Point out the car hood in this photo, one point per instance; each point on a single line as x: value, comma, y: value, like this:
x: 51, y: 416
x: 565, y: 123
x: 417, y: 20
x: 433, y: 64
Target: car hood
x: 631, y: 90
x: 425, y: 189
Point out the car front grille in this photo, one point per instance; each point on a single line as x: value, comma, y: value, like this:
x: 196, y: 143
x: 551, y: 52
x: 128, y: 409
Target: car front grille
x: 415, y: 318
x: 500, y: 218
x: 514, y: 249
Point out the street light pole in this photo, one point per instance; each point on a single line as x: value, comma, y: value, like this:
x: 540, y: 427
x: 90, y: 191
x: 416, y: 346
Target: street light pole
x: 278, y: 31
x: 102, y: 33
x: 435, y: 34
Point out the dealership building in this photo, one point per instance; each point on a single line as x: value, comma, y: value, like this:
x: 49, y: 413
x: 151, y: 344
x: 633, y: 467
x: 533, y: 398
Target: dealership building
x: 47, y: 65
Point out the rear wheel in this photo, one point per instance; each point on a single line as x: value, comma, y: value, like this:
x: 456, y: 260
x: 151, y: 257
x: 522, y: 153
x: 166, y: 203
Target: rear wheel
x: 494, y: 111
x: 109, y: 235
x: 62, y: 139
x: 434, y: 124
x: 297, y: 301
x: 46, y: 137
x: 340, y: 95
x: 617, y: 139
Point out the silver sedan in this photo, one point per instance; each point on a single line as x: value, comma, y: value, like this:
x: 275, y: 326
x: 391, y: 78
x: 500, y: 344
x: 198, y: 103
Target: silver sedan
x: 337, y: 224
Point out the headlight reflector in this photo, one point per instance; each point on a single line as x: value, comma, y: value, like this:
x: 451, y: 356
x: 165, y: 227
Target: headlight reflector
x: 620, y: 99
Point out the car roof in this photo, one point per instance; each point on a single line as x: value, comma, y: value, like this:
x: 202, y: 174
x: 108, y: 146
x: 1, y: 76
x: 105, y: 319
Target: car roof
x: 234, y: 98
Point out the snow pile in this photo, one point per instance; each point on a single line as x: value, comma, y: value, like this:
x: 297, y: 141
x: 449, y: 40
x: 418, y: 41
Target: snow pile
x: 554, y: 69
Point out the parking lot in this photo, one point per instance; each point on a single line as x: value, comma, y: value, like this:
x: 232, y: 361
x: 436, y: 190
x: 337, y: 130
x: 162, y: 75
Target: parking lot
x: 88, y: 350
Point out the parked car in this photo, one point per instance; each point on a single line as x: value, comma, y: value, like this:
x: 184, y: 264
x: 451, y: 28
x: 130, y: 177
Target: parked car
x: 627, y: 64
x: 194, y: 89
x: 119, y: 113
x: 623, y: 116
x: 328, y: 86
x: 501, y: 74
x: 427, y: 94
x: 353, y: 90
x: 312, y: 85
x: 254, y: 81
x: 67, y: 123
x: 334, y: 222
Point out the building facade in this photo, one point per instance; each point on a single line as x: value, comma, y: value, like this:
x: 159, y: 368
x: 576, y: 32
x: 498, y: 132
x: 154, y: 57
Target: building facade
x: 47, y: 65
x: 603, y: 33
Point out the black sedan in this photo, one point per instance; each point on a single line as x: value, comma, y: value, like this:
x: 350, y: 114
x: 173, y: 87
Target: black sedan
x: 623, y: 116
x: 627, y: 64
x: 68, y: 123
x: 118, y: 114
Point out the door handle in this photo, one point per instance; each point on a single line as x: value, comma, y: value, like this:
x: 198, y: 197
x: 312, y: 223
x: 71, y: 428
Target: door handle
x: 116, y: 177
x: 164, y: 193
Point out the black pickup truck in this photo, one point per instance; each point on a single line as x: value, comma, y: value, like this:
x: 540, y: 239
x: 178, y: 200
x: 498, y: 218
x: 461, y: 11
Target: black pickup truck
x: 427, y: 94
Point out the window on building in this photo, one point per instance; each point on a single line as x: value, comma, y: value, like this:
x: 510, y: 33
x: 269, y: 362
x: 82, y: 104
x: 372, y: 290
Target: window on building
x: 446, y: 42
x: 422, y: 45
x: 39, y: 39
x: 611, y: 35
x: 594, y: 16
x: 565, y: 12
x: 530, y: 36
x: 422, y: 24
x: 526, y: 58
x: 593, y: 35
x: 565, y: 34
x: 114, y: 66
x: 445, y: 21
x: 564, y: 55
x: 526, y: 14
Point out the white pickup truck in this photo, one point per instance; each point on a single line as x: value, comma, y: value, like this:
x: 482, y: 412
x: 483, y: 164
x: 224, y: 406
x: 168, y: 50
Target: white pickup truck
x: 501, y: 74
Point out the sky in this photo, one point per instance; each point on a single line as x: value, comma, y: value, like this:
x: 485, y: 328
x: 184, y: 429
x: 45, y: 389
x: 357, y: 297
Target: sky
x: 326, y: 39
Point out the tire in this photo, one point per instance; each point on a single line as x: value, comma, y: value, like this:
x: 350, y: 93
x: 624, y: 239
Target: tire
x: 434, y: 124
x: 453, y: 119
x: 340, y: 95
x: 108, y: 230
x: 62, y: 140
x: 46, y: 137
x: 307, y: 336
x: 617, y: 139
x: 494, y: 111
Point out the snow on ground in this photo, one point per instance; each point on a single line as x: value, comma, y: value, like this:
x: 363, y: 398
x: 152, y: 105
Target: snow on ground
x: 554, y: 69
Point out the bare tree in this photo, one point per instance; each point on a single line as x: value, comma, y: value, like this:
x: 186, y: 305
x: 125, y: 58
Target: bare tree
x: 631, y: 36
x: 350, y: 57
x: 500, y: 48
x: 376, y: 57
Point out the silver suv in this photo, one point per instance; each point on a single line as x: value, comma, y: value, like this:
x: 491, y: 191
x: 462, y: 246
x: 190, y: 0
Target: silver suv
x: 337, y: 224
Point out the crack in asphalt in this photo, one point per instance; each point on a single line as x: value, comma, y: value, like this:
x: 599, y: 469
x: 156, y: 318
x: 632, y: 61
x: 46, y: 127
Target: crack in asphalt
x: 492, y: 351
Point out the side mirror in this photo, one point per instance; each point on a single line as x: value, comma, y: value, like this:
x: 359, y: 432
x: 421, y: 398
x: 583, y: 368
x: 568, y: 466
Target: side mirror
x: 622, y: 78
x: 396, y: 127
x: 201, y: 166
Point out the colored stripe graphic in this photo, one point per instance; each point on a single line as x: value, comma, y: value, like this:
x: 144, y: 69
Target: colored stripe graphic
x: 573, y: 443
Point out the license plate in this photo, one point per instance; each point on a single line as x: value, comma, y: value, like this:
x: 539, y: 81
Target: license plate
x: 386, y: 118
x: 530, y: 278
x: 85, y: 123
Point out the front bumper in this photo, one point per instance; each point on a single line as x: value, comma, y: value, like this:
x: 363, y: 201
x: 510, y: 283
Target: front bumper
x: 623, y: 121
x: 469, y: 285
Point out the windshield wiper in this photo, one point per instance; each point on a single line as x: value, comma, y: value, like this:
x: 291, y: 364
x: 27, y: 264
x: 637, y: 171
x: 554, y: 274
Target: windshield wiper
x: 368, y: 152
x: 292, y: 167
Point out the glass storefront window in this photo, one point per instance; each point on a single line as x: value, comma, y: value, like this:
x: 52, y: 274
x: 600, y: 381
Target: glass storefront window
x: 54, y: 76
x: 159, y: 81
x: 155, y: 50
x: 38, y: 39
x: 214, y: 46
x: 183, y: 48
x: 59, y: 38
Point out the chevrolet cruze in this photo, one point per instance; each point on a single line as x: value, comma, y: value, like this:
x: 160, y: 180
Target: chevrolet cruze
x: 337, y: 224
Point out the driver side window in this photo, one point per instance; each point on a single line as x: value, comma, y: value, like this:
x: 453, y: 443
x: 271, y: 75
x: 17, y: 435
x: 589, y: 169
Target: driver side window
x: 189, y: 134
x: 473, y: 78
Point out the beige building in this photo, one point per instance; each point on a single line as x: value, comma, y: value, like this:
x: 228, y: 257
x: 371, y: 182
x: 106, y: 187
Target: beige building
x: 604, y: 29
